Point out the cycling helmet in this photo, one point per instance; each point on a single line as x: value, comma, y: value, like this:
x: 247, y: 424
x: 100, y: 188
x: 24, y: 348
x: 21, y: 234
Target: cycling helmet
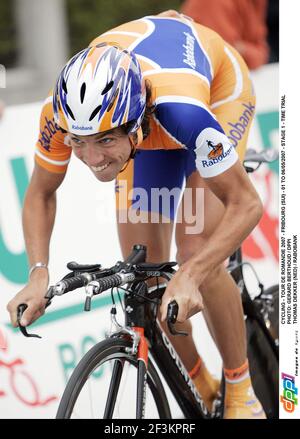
x: 99, y: 89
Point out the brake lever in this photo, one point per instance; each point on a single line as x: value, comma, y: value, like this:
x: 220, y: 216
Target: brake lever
x: 172, y: 314
x: 20, y: 310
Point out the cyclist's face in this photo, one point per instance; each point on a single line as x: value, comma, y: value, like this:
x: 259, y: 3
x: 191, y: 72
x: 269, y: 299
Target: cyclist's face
x: 104, y: 153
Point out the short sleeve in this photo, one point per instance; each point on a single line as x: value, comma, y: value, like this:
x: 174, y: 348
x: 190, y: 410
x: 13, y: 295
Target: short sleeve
x: 214, y: 153
x: 52, y: 151
x: 195, y: 127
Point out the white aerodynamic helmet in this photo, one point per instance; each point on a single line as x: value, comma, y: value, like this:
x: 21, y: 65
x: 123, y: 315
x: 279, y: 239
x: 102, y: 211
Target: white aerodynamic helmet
x: 99, y: 89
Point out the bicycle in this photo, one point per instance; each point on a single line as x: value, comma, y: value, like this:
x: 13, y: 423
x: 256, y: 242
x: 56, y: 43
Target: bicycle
x: 141, y: 346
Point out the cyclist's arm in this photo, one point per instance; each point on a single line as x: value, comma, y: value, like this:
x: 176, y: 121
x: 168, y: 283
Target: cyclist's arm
x: 38, y: 220
x: 243, y: 210
x: 39, y: 213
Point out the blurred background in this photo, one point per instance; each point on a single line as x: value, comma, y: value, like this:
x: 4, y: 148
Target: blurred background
x: 36, y: 39
x: 38, y: 36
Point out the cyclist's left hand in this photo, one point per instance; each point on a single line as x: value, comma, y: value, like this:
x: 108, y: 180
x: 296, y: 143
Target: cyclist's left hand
x: 185, y: 291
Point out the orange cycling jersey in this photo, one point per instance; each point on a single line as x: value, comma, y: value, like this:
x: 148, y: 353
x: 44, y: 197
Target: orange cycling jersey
x: 204, y: 101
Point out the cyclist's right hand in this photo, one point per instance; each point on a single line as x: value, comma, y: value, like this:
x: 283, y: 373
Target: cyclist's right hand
x: 33, y: 296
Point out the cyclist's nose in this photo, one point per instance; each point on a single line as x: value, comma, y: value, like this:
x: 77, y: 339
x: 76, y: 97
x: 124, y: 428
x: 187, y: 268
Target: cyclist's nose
x: 93, y: 156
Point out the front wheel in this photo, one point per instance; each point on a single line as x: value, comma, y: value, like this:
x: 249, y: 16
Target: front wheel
x: 104, y: 386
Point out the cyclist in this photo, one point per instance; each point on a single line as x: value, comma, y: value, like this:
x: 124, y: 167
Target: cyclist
x: 152, y: 103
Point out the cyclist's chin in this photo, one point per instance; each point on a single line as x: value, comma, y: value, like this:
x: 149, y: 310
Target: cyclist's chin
x: 107, y: 174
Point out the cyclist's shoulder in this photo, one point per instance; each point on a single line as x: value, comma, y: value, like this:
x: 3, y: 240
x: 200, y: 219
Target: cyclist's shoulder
x: 50, y: 132
x: 52, y: 151
x: 125, y: 34
x: 145, y: 33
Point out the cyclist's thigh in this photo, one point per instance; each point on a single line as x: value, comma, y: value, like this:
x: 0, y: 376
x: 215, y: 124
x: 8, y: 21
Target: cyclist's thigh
x: 147, y: 195
x: 233, y: 99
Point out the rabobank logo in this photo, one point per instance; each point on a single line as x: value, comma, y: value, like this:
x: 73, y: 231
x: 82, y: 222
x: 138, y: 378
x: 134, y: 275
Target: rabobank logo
x: 47, y: 132
x: 82, y: 128
x: 289, y: 397
x: 216, y: 150
x: 237, y: 129
x: 189, y: 50
x: 218, y: 158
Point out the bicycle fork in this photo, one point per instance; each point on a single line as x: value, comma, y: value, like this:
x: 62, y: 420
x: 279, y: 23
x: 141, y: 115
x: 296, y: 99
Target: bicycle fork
x: 142, y: 357
x: 142, y: 350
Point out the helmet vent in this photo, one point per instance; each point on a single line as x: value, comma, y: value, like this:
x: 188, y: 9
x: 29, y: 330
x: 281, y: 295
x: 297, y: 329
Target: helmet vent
x: 112, y: 100
x: 97, y: 109
x: 107, y: 87
x: 70, y: 111
x: 82, y: 92
x: 64, y: 85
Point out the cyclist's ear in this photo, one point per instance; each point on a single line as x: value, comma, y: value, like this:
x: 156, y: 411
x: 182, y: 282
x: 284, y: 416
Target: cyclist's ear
x: 140, y: 136
x: 136, y: 138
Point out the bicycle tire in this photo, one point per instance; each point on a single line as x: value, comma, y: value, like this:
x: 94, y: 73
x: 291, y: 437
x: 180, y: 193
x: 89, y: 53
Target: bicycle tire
x: 110, y: 349
x: 264, y: 367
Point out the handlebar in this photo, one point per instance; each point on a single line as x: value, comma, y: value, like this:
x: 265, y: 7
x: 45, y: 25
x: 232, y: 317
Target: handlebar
x: 20, y: 310
x: 96, y: 287
x: 98, y: 281
x: 138, y: 255
x: 172, y: 314
x: 72, y: 283
x: 268, y: 155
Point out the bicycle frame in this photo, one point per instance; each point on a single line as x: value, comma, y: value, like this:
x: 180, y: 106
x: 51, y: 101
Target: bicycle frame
x: 148, y: 338
x: 140, y: 317
x: 177, y: 377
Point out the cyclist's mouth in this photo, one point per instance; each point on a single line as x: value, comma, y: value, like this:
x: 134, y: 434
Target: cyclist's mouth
x: 100, y: 168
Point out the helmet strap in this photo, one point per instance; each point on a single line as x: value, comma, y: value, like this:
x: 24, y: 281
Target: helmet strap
x: 134, y: 143
x: 140, y: 137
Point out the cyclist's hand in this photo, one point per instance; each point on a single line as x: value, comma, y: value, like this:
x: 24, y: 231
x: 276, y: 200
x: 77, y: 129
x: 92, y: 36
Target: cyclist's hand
x: 33, y: 296
x: 185, y: 291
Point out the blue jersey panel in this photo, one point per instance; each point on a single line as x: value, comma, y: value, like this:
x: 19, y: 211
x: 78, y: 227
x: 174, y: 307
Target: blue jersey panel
x: 160, y: 170
x: 185, y: 121
x: 172, y: 45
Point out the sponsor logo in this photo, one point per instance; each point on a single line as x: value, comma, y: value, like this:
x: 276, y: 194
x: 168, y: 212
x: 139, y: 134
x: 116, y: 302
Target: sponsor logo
x: 21, y: 384
x: 189, y: 53
x: 218, y: 158
x: 82, y: 128
x: 238, y: 129
x: 288, y: 398
x: 217, y: 150
x: 48, y: 131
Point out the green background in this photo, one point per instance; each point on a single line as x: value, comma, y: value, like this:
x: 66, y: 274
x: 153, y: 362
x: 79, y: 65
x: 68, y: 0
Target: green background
x: 86, y: 20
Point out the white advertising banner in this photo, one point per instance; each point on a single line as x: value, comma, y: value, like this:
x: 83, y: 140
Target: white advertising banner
x: 33, y: 373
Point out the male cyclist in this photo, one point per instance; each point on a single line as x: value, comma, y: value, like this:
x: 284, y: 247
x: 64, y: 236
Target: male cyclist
x: 155, y: 103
